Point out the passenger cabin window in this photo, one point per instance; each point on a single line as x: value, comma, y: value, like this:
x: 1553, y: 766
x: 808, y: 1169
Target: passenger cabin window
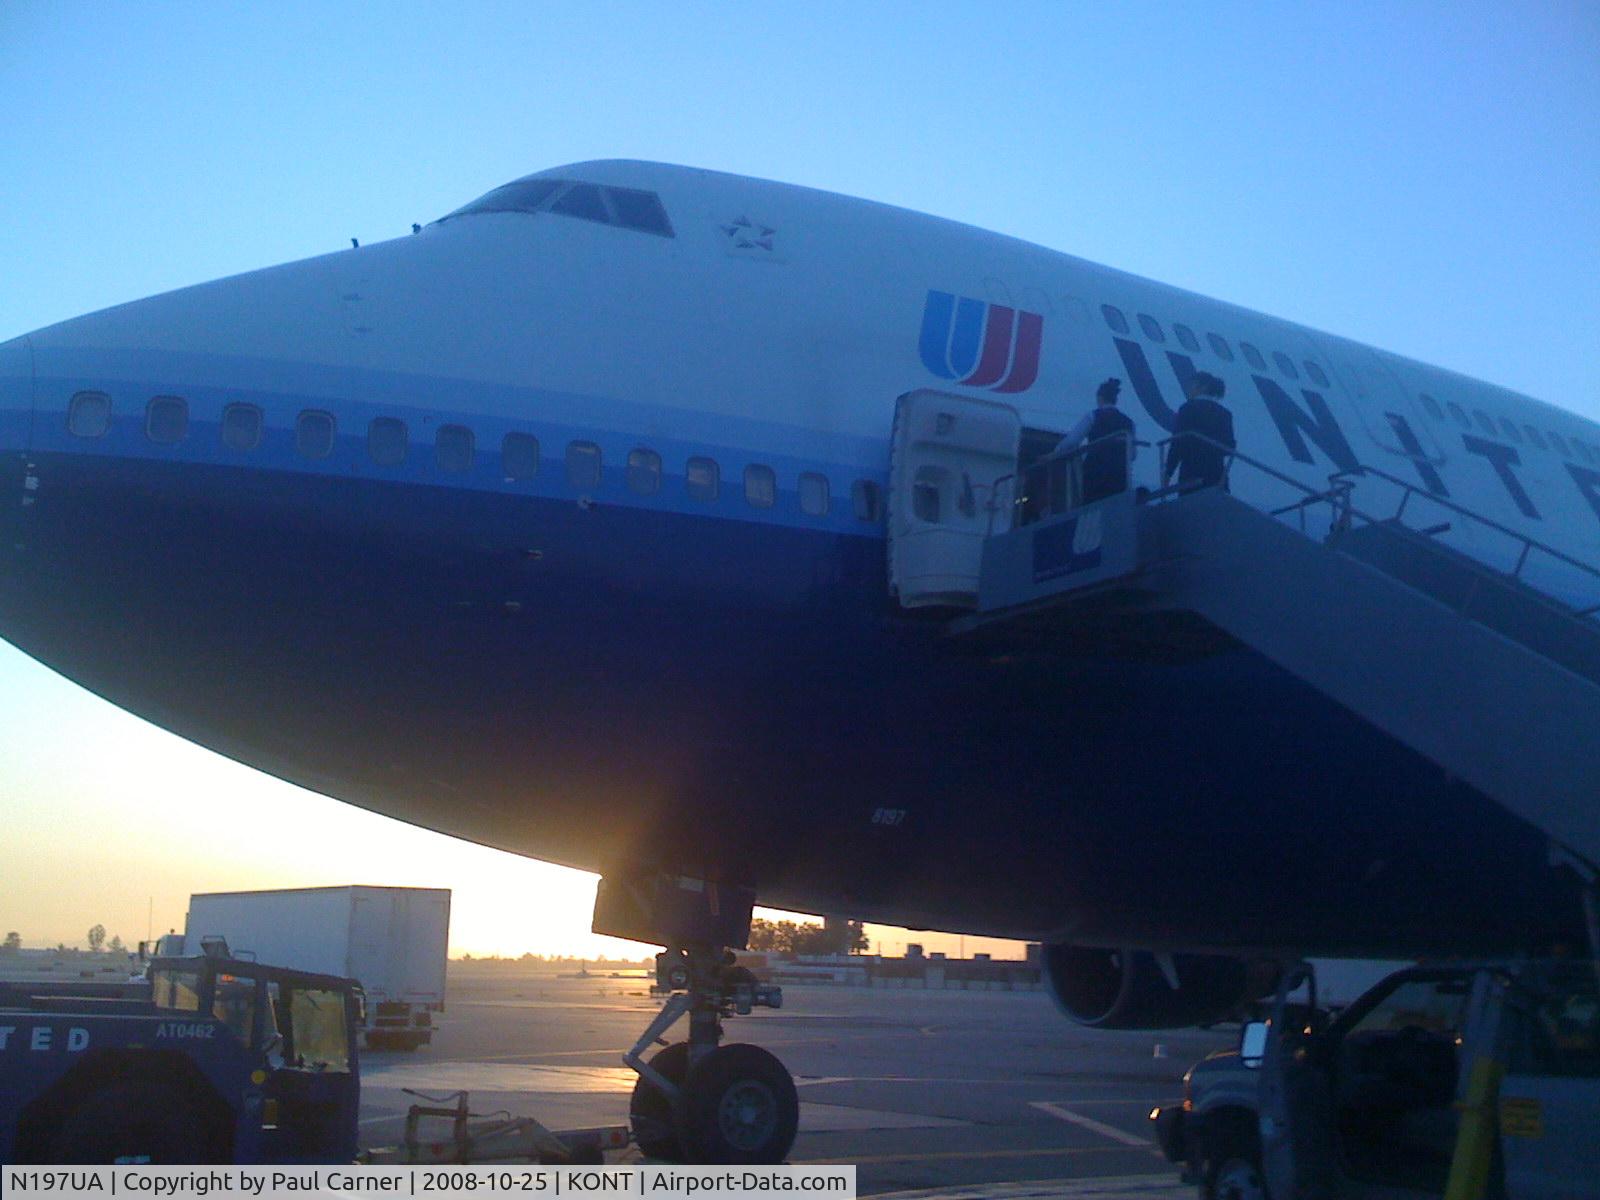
x: 644, y: 472
x: 1114, y: 318
x: 454, y: 448
x: 639, y: 210
x: 1459, y: 414
x: 387, y: 441
x: 1510, y: 430
x: 1535, y: 437
x: 1253, y: 356
x: 1220, y: 347
x: 89, y: 414
x: 241, y: 426
x: 1485, y: 422
x: 166, y: 419
x: 760, y: 486
x: 1285, y: 364
x: 582, y: 200
x: 1432, y: 405
x: 519, y: 455
x: 1560, y: 445
x: 702, y: 479
x: 867, y: 500
x: 1152, y: 328
x: 583, y: 466
x: 813, y: 494
x: 313, y: 434
x: 1186, y: 338
x: 1318, y: 376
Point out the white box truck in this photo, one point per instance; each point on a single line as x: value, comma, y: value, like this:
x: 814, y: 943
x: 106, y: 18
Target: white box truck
x: 392, y: 939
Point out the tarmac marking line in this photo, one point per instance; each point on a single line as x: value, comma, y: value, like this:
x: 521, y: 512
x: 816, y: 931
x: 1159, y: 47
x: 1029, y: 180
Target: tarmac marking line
x: 1089, y: 1123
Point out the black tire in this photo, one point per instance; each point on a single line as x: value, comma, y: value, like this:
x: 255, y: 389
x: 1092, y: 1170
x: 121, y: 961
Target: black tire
x: 1234, y: 1178
x: 133, y: 1121
x: 739, y: 1106
x: 650, y: 1112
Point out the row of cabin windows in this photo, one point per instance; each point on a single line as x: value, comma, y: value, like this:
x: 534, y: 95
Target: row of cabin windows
x: 455, y: 450
x: 1508, y: 429
x: 1190, y: 341
x: 1484, y: 422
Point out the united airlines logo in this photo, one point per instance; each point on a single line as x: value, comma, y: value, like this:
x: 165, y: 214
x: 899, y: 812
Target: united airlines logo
x: 979, y: 344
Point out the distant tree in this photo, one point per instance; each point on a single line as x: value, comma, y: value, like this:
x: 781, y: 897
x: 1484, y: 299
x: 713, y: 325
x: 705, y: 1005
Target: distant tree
x: 12, y: 944
x: 97, y: 938
x: 115, y: 944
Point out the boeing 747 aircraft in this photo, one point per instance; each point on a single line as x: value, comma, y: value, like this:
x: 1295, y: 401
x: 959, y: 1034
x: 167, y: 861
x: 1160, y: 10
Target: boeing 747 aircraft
x: 605, y: 520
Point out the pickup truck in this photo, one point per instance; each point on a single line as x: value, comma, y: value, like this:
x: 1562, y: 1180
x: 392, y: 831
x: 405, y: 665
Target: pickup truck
x: 1484, y: 1077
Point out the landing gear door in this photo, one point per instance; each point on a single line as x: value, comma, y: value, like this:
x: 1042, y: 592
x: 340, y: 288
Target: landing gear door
x: 952, y: 479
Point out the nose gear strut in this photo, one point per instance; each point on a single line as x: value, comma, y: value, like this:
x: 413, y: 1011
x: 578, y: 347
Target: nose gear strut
x: 699, y: 1101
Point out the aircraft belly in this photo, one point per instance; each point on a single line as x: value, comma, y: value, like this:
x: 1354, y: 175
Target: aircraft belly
x: 606, y: 683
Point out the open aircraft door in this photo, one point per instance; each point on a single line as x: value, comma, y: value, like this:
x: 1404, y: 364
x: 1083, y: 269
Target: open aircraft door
x: 952, y: 477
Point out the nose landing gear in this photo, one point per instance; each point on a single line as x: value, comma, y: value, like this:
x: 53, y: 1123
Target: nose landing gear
x: 699, y: 1101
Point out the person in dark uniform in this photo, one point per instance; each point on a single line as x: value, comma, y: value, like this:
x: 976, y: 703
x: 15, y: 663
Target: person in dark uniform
x: 1107, y: 435
x: 1201, y: 461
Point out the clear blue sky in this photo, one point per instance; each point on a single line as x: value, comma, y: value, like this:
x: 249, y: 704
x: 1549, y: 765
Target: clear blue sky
x: 1425, y: 178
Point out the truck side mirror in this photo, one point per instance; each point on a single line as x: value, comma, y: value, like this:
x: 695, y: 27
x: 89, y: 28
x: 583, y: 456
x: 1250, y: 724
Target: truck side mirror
x: 1253, y: 1043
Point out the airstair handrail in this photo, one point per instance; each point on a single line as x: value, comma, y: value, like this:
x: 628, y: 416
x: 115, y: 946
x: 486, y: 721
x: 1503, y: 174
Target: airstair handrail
x: 1528, y: 543
x: 1338, y: 498
x: 1070, y: 459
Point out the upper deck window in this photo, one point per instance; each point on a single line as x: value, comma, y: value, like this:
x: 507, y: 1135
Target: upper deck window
x: 1285, y: 364
x: 1510, y: 430
x: 1560, y: 445
x: 1114, y: 318
x: 1220, y: 347
x: 1151, y: 327
x: 1535, y: 437
x: 1318, y: 376
x: 1432, y: 405
x: 1485, y: 422
x: 1253, y: 356
x: 1186, y: 338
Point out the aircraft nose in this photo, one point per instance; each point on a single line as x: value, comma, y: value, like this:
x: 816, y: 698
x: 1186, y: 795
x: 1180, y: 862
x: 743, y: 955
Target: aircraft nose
x: 16, y: 395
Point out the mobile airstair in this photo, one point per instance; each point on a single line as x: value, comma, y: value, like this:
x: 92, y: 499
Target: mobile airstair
x: 1469, y: 664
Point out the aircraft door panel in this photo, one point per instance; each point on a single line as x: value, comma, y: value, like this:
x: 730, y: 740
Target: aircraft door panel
x: 952, y: 472
x: 1377, y: 396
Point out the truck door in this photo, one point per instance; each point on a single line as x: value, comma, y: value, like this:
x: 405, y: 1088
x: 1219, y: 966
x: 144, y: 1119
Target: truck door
x: 952, y: 475
x: 1551, y: 1089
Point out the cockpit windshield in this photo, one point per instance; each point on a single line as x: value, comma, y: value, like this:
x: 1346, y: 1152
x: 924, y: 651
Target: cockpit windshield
x: 626, y: 208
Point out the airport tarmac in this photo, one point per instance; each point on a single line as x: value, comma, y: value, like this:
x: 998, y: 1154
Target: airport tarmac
x: 972, y: 1094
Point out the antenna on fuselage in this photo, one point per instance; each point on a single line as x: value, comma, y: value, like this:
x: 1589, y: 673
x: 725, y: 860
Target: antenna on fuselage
x: 354, y: 245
